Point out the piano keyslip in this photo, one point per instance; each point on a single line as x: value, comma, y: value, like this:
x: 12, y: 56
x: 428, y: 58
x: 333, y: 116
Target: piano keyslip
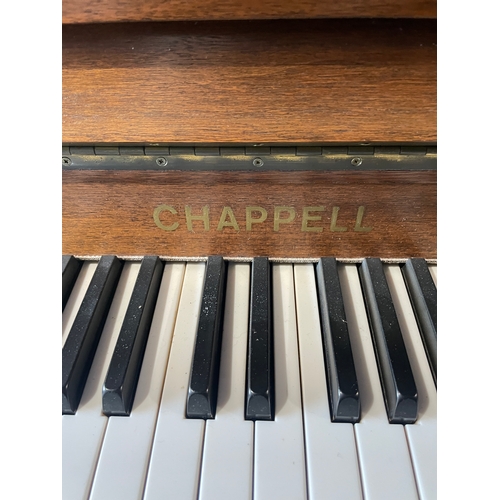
x: 158, y: 450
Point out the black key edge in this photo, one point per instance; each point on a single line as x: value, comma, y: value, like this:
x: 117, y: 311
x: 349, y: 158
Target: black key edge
x: 343, y: 396
x: 70, y: 270
x: 204, y: 377
x: 120, y: 385
x: 80, y: 346
x: 400, y: 396
x: 260, y: 400
x: 423, y: 297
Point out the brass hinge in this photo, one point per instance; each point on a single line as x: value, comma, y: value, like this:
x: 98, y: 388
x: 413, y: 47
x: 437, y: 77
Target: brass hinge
x: 248, y: 158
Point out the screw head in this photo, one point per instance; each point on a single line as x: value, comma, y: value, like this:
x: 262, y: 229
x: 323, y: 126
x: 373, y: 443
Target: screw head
x: 161, y: 162
x: 356, y: 162
x: 66, y: 161
x: 258, y: 162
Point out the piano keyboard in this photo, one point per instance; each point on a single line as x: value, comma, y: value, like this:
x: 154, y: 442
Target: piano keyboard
x: 206, y: 380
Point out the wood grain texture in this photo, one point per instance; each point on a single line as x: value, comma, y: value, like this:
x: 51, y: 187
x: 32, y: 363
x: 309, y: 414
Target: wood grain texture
x: 112, y: 212
x: 281, y: 82
x: 89, y: 11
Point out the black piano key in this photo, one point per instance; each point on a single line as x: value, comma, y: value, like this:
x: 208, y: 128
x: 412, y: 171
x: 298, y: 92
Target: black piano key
x: 119, y: 387
x: 423, y: 296
x: 83, y: 338
x: 204, y: 377
x: 398, y: 384
x: 259, y: 404
x: 70, y: 269
x: 341, y: 376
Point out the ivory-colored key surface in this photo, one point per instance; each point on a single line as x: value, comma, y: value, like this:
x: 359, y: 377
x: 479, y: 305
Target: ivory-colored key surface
x: 124, y: 458
x: 174, y: 466
x: 331, y: 455
x: 279, y: 460
x: 227, y: 464
x: 422, y: 436
x: 434, y: 273
x: 384, y: 458
x: 83, y: 432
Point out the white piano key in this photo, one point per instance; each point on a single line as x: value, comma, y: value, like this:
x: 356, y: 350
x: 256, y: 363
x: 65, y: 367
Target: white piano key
x: 124, y: 458
x: 76, y: 297
x: 332, y: 462
x: 422, y: 436
x: 279, y: 461
x: 174, y: 466
x: 434, y: 273
x: 384, y: 458
x: 227, y: 463
x: 83, y: 432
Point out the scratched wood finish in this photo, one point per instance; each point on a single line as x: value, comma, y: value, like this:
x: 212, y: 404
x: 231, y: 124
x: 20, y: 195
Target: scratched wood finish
x: 89, y: 11
x: 281, y: 82
x: 112, y: 213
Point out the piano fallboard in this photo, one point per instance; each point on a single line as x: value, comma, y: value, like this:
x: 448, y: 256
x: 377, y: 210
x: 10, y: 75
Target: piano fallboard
x: 244, y: 205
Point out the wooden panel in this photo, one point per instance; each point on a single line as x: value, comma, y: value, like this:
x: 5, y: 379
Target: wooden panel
x: 319, y: 81
x: 88, y: 11
x: 139, y: 213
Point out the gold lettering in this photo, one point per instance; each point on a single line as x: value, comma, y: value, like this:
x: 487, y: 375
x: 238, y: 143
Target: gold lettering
x: 306, y: 217
x: 227, y: 211
x: 256, y: 215
x: 159, y: 223
x: 190, y: 218
x: 251, y: 220
x: 333, y: 225
x: 287, y: 220
x: 359, y: 221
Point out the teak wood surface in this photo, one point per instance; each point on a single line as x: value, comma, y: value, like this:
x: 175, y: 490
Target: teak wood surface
x: 250, y: 82
x: 88, y: 11
x: 113, y: 212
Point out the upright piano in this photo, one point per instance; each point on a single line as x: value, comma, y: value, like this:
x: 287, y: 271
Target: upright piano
x: 249, y: 250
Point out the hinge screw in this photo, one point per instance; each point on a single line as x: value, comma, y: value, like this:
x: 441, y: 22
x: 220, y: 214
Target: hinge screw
x: 258, y: 162
x: 66, y: 161
x: 356, y: 162
x: 161, y: 162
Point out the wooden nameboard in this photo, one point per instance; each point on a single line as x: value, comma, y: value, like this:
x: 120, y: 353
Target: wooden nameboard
x: 245, y: 214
